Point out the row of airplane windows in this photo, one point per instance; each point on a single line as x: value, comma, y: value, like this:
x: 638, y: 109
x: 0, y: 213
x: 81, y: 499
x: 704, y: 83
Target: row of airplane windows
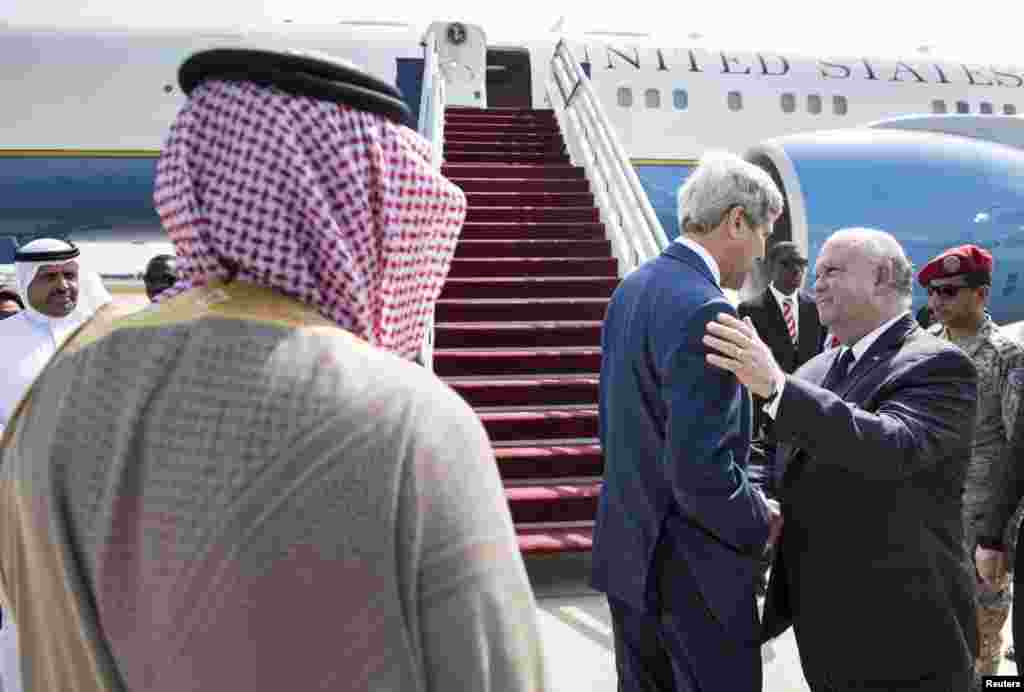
x: 681, y: 101
x: 986, y: 108
x: 840, y: 105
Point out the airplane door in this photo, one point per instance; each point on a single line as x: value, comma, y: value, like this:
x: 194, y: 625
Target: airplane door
x: 462, y: 49
x: 508, y: 78
x: 410, y: 83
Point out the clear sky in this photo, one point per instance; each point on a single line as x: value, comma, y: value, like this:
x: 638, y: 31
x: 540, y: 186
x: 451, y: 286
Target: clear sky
x: 982, y: 31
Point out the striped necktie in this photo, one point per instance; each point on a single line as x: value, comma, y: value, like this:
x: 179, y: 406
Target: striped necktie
x: 787, y: 314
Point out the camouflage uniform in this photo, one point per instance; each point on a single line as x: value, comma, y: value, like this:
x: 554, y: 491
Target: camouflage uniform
x: 1016, y: 382
x: 1000, y: 364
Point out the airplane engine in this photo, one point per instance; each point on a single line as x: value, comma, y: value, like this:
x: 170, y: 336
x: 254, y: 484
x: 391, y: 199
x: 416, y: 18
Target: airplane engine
x: 931, y: 190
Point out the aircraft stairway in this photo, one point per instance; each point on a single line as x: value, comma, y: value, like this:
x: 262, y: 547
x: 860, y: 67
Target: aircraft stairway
x: 518, y: 323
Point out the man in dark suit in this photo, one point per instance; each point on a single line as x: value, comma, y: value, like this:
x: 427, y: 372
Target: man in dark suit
x: 788, y: 322
x: 871, y: 568
x: 785, y: 319
x: 680, y: 530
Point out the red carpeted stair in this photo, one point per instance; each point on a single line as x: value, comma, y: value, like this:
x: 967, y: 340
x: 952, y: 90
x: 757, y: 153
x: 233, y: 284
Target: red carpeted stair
x: 518, y: 325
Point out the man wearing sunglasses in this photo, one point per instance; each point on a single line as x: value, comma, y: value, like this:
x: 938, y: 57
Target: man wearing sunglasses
x: 958, y: 282
x: 787, y: 321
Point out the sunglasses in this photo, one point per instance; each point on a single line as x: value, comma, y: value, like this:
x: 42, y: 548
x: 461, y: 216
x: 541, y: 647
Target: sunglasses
x: 946, y: 291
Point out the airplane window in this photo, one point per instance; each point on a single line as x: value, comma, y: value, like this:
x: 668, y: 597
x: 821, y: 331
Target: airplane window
x: 653, y: 98
x: 788, y: 103
x: 814, y: 103
x: 840, y: 105
x: 680, y: 99
x: 938, y: 106
x: 735, y: 101
x: 963, y: 107
x: 986, y: 107
x: 1010, y: 109
x: 625, y: 97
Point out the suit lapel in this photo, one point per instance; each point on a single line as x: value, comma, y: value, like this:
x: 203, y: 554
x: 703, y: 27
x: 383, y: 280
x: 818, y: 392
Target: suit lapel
x: 892, y: 338
x: 796, y: 457
x: 889, y: 340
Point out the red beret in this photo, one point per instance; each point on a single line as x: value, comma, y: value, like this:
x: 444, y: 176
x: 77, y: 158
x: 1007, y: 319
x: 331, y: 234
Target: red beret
x: 966, y: 259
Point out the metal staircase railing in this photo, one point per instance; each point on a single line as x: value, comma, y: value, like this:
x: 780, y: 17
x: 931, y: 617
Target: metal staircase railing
x: 633, y: 227
x: 431, y: 126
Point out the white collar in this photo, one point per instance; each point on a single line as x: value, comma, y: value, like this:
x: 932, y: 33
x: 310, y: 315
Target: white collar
x: 704, y: 255
x: 870, y: 338
x: 780, y: 296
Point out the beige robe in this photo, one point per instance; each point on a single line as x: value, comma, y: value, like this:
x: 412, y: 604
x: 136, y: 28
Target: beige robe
x: 227, y: 492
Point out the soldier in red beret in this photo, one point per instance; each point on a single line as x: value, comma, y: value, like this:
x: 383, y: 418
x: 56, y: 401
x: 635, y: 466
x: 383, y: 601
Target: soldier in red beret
x: 958, y: 282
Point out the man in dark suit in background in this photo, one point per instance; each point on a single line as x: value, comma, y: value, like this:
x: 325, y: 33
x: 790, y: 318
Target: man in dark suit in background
x: 10, y: 302
x: 161, y: 273
x: 871, y: 568
x: 788, y: 323
x: 680, y: 530
x: 785, y: 319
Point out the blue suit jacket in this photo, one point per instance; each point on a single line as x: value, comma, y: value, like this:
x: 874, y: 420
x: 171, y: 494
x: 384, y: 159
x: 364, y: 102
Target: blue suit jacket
x: 678, y: 525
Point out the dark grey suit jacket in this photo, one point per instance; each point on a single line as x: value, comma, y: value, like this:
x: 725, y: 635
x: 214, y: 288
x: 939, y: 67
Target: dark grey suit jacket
x: 871, y: 568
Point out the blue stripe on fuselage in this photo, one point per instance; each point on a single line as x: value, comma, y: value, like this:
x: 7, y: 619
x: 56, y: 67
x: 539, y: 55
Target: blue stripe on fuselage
x: 97, y: 196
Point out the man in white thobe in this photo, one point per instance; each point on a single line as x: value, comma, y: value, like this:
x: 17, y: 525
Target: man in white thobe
x: 48, y: 281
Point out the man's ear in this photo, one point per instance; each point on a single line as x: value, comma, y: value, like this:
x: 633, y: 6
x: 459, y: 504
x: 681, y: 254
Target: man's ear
x: 735, y: 221
x: 883, y: 274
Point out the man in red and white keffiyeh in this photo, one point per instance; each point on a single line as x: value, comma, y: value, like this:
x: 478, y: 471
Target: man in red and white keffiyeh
x: 336, y: 207
x: 234, y: 473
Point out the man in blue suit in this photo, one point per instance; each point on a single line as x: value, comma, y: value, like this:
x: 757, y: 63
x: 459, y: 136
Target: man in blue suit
x: 680, y: 529
x: 871, y: 568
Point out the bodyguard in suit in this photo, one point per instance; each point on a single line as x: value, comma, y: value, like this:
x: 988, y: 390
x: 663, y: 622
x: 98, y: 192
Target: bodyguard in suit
x: 788, y: 322
x: 785, y: 319
x: 871, y: 568
x: 680, y: 529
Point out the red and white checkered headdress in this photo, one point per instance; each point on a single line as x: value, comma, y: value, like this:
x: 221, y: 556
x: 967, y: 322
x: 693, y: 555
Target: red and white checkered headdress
x: 336, y: 207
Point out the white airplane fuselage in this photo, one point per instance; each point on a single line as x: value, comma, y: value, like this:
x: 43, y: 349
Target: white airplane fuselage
x: 117, y: 89
x: 85, y: 113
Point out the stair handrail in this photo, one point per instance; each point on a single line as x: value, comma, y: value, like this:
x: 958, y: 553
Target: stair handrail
x: 431, y: 127
x: 634, y: 229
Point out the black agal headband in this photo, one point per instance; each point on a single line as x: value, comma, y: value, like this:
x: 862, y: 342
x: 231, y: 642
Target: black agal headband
x: 49, y: 256
x: 319, y: 77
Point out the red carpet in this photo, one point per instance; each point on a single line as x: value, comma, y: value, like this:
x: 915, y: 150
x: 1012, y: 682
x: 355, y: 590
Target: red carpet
x: 518, y: 330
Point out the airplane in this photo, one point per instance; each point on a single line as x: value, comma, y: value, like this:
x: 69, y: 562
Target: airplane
x: 934, y: 182
x: 85, y: 111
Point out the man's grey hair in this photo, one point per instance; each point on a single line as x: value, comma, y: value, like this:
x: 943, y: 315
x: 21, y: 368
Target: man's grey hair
x: 886, y: 251
x: 723, y: 181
